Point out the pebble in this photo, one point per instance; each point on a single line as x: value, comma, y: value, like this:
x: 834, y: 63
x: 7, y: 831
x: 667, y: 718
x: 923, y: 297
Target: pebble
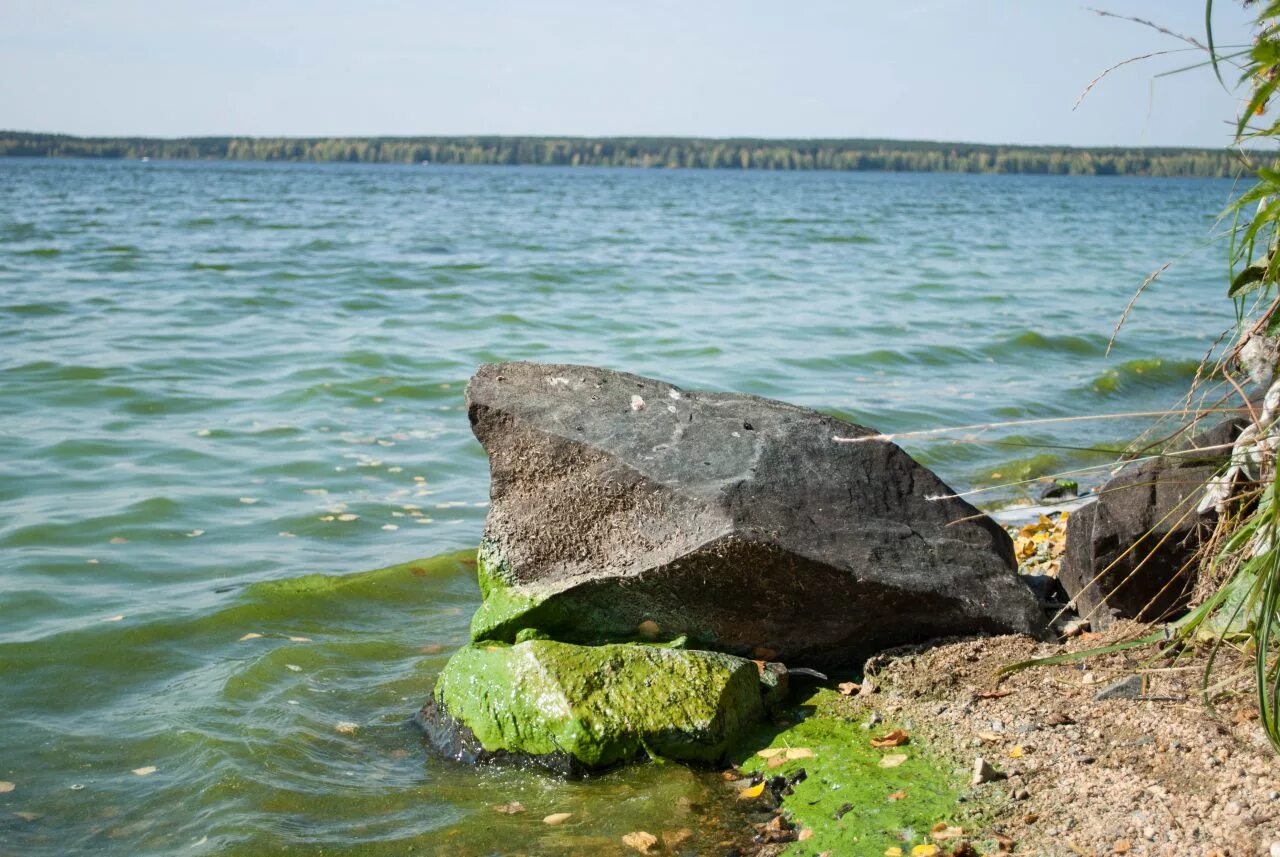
x: 1129, y: 687
x: 984, y: 773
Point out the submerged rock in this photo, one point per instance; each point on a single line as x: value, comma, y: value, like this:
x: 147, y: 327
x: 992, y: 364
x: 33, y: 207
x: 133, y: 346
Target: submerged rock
x: 1132, y: 553
x: 624, y: 507
x: 577, y: 708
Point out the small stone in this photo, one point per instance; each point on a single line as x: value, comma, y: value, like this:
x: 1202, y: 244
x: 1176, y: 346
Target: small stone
x: 1274, y: 850
x: 1129, y: 687
x: 984, y: 773
x: 1021, y: 794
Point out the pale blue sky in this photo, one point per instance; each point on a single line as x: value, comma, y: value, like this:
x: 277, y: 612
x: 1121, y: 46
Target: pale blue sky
x: 973, y: 70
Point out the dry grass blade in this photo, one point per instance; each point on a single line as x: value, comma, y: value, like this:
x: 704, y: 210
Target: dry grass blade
x: 1151, y: 278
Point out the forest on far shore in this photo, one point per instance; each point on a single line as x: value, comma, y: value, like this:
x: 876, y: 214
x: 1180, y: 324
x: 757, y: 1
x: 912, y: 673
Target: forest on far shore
x: 653, y: 152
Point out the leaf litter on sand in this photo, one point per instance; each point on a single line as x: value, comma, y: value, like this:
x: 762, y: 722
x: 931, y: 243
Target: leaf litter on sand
x: 893, y: 760
x: 557, y: 818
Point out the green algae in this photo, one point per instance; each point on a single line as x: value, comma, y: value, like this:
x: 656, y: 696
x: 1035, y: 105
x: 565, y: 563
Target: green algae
x: 844, y: 798
x: 584, y: 614
x: 505, y: 611
x: 601, y: 705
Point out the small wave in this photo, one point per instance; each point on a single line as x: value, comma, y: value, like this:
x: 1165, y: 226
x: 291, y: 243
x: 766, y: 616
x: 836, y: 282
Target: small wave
x: 47, y: 370
x: 21, y: 232
x: 1031, y: 340
x: 460, y: 266
x: 1151, y: 372
x: 211, y: 266
x: 41, y: 252
x: 846, y: 239
x: 39, y: 309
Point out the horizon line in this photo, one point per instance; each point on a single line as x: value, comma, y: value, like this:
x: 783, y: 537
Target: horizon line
x: 615, y: 137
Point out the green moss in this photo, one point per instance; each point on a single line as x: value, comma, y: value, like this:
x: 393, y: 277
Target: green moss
x: 601, y: 704
x: 505, y: 611
x: 844, y: 798
x: 585, y: 614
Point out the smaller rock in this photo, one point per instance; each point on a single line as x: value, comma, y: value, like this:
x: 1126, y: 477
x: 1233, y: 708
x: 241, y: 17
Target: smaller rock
x: 1129, y: 687
x: 983, y: 772
x: 1061, y: 489
x: 1020, y: 794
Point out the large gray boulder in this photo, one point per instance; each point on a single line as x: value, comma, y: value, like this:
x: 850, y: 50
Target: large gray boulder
x: 623, y: 508
x: 1133, y: 553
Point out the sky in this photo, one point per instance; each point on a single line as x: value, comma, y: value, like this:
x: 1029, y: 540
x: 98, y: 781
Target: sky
x: 962, y: 70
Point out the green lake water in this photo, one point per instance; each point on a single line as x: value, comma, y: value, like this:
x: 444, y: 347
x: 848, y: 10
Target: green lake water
x: 228, y: 391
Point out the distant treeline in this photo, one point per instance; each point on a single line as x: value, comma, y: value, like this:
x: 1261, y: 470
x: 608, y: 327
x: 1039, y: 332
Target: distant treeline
x: 667, y: 152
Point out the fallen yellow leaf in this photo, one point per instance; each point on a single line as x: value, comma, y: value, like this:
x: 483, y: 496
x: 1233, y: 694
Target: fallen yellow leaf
x: 1015, y: 752
x: 557, y: 818
x: 794, y: 753
x: 893, y: 760
x: 894, y: 851
x: 896, y: 738
x: 942, y: 831
x: 752, y: 792
x: 640, y: 840
x: 927, y: 850
x: 770, y: 752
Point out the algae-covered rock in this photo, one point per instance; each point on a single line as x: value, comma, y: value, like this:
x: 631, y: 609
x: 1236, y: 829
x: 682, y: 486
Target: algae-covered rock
x: 586, y: 707
x: 620, y: 502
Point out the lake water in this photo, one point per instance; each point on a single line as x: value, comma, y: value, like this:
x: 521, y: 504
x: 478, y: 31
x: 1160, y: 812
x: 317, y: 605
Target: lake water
x: 208, y: 369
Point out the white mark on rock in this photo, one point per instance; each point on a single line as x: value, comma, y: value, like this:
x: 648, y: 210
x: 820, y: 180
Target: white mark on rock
x: 637, y: 403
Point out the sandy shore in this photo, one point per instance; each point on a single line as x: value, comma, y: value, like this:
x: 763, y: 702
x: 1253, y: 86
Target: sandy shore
x: 1154, y: 774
